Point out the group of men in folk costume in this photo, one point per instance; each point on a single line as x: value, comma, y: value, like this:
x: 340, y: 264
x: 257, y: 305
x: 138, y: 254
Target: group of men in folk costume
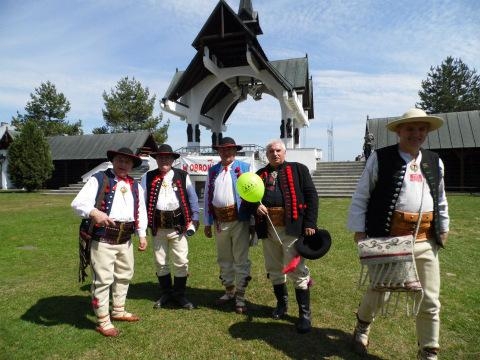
x: 166, y: 202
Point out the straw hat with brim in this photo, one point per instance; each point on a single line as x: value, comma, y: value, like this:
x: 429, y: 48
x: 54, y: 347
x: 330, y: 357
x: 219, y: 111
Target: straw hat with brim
x: 165, y: 150
x: 137, y: 161
x: 227, y: 142
x: 314, y: 246
x: 416, y: 115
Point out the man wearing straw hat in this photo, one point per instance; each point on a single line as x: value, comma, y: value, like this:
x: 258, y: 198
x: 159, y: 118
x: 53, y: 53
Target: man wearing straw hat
x: 387, y: 202
x: 230, y: 221
x: 289, y: 209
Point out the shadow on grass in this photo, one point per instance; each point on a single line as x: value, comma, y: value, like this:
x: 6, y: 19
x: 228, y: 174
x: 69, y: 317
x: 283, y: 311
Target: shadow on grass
x: 200, y: 297
x: 58, y: 310
x: 318, y: 344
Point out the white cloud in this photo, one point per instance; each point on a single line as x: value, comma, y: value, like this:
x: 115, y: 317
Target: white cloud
x: 367, y: 57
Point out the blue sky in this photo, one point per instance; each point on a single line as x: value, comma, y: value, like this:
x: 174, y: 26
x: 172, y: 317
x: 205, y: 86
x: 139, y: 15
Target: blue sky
x: 367, y: 57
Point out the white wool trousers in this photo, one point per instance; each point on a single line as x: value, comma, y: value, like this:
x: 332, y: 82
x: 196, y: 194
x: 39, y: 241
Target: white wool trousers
x: 112, y: 266
x: 428, y: 318
x: 278, y: 253
x: 168, y: 244
x: 232, y: 239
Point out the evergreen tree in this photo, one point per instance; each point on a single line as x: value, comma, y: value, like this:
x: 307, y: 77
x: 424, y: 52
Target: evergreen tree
x: 48, y: 110
x: 129, y: 107
x: 450, y: 87
x: 30, y: 160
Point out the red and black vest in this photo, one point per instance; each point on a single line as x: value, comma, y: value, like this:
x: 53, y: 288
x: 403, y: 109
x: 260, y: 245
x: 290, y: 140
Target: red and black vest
x: 154, y: 182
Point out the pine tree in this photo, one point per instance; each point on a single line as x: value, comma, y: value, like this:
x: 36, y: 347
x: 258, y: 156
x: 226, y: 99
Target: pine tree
x: 30, y: 160
x: 129, y: 107
x: 48, y: 109
x: 450, y: 87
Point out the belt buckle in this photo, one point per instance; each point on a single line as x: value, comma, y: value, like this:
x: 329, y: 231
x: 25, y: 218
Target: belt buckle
x: 120, y: 232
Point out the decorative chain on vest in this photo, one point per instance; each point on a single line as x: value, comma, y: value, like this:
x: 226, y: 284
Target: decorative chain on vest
x: 152, y: 198
x: 184, y: 202
x: 109, y: 194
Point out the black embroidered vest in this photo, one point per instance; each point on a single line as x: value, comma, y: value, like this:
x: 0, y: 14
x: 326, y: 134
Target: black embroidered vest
x: 153, y: 184
x: 391, y: 173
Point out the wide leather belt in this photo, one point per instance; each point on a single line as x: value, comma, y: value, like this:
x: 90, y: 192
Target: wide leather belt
x: 225, y: 214
x: 167, y: 219
x: 277, y: 215
x: 404, y: 223
x: 120, y: 233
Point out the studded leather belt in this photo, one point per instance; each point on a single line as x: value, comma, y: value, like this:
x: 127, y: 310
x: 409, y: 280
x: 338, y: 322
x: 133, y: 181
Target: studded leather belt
x: 277, y: 215
x: 118, y: 234
x: 226, y: 214
x: 404, y: 223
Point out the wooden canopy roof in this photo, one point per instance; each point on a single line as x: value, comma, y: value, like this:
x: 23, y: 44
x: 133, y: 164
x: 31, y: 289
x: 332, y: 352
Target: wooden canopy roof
x: 460, y: 130
x: 228, y: 36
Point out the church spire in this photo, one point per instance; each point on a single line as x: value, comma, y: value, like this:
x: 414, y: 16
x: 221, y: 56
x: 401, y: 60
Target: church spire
x: 249, y: 16
x: 245, y: 9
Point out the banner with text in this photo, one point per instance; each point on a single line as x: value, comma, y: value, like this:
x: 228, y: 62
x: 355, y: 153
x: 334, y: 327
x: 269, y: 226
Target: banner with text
x: 199, y: 165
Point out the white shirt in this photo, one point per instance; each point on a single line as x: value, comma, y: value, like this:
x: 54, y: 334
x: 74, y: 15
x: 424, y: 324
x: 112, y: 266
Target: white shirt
x: 167, y: 198
x: 409, y: 198
x: 122, y: 206
x: 223, y: 195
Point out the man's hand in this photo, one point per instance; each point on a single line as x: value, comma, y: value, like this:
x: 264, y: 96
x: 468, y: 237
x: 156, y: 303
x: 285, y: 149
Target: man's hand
x: 196, y: 223
x: 359, y: 236
x: 101, y: 218
x: 207, y: 230
x: 262, y: 210
x: 444, y: 238
x: 309, y: 231
x: 142, y: 246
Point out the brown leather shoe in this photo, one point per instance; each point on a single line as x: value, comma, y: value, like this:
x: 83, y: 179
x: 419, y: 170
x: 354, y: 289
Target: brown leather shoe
x: 129, y: 318
x: 112, y: 332
x: 225, y: 298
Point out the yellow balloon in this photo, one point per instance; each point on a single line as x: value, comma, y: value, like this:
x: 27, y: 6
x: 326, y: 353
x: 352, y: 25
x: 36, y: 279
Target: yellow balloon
x: 250, y: 187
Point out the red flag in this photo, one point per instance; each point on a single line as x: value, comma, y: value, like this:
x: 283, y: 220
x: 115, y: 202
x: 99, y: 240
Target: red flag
x: 291, y: 265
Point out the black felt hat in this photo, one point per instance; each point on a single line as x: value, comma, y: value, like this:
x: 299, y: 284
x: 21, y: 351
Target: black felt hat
x: 227, y: 142
x: 165, y: 150
x: 137, y: 161
x: 314, y: 246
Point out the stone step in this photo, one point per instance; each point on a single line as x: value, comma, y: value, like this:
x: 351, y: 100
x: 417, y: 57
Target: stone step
x: 337, y: 179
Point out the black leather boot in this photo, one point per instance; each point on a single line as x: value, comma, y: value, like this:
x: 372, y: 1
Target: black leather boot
x: 179, y: 286
x: 165, y: 284
x: 281, y: 293
x: 304, y: 324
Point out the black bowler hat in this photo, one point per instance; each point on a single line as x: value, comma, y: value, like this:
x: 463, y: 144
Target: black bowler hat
x: 227, y: 142
x: 314, y: 246
x: 137, y: 161
x: 165, y: 150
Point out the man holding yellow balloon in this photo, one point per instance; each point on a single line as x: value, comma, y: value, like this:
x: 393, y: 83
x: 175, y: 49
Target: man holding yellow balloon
x: 231, y: 222
x: 286, y: 209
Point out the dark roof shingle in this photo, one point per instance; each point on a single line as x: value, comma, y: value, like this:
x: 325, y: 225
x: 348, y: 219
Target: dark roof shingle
x: 460, y: 130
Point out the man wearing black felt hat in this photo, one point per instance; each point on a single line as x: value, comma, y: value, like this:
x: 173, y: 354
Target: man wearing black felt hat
x: 114, y: 202
x: 223, y: 212
x: 172, y: 208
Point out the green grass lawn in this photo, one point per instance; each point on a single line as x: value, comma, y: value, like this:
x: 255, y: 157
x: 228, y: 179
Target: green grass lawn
x: 45, y: 313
